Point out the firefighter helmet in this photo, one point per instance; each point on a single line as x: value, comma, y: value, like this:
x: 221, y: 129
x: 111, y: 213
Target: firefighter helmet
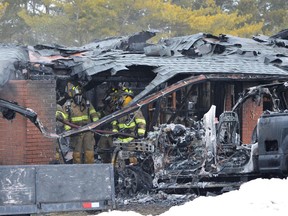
x: 127, y: 91
x: 111, y: 98
x: 74, y: 92
x: 125, y: 97
x: 126, y: 100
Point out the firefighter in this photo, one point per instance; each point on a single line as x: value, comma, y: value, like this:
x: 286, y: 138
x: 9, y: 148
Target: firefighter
x: 133, y: 123
x: 105, y: 142
x: 63, y: 142
x: 59, y: 128
x: 79, y: 111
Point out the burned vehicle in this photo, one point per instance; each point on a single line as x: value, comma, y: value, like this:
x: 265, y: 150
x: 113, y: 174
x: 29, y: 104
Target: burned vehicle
x: 207, y: 155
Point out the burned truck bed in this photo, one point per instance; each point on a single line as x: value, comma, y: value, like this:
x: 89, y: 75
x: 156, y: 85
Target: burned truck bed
x: 182, y: 162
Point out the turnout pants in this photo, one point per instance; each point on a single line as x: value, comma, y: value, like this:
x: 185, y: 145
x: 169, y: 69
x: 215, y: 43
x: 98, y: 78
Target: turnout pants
x: 83, y: 143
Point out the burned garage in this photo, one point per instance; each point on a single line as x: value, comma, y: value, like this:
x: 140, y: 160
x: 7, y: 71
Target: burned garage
x: 214, y: 107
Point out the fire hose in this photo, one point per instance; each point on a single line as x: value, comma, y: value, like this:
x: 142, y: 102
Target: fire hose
x: 96, y: 130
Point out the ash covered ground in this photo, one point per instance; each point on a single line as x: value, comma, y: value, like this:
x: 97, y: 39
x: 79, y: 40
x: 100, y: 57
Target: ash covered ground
x: 145, y: 204
x: 154, y: 204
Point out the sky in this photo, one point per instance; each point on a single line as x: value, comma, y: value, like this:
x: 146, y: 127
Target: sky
x: 258, y: 197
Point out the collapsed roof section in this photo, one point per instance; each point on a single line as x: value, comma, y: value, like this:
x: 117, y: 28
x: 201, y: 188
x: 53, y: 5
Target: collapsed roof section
x: 133, y: 58
x: 187, y: 55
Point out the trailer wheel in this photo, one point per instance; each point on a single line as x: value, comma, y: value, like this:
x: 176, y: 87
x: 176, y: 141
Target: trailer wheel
x: 127, y: 182
x: 131, y: 182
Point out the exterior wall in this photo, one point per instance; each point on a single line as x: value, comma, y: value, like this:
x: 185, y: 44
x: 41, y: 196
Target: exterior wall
x: 228, y: 96
x: 21, y: 142
x: 250, y: 114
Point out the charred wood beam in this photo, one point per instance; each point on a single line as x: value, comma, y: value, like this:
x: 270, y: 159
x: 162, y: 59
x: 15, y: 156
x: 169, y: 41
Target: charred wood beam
x: 245, y: 77
x: 155, y: 115
x: 100, y: 79
x: 182, y: 105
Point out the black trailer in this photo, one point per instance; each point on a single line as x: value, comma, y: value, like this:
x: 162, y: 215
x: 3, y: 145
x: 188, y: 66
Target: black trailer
x: 28, y: 189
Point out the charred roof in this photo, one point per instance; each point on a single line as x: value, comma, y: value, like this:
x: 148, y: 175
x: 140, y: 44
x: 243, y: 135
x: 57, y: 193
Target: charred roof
x: 133, y: 58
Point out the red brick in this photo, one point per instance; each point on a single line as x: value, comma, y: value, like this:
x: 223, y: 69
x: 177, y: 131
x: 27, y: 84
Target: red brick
x: 21, y: 142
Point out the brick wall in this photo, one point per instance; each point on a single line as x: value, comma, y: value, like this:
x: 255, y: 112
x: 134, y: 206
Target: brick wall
x: 250, y: 114
x: 20, y: 141
x: 228, y: 96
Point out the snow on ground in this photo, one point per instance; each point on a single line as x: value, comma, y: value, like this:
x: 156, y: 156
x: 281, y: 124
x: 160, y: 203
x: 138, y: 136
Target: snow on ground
x: 258, y: 197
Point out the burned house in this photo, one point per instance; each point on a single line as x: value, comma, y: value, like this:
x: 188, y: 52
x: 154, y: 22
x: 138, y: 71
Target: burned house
x: 232, y: 65
x: 175, y: 81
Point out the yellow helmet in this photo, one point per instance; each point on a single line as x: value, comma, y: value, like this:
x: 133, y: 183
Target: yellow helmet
x: 127, y: 96
x: 126, y: 100
x: 119, y: 97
